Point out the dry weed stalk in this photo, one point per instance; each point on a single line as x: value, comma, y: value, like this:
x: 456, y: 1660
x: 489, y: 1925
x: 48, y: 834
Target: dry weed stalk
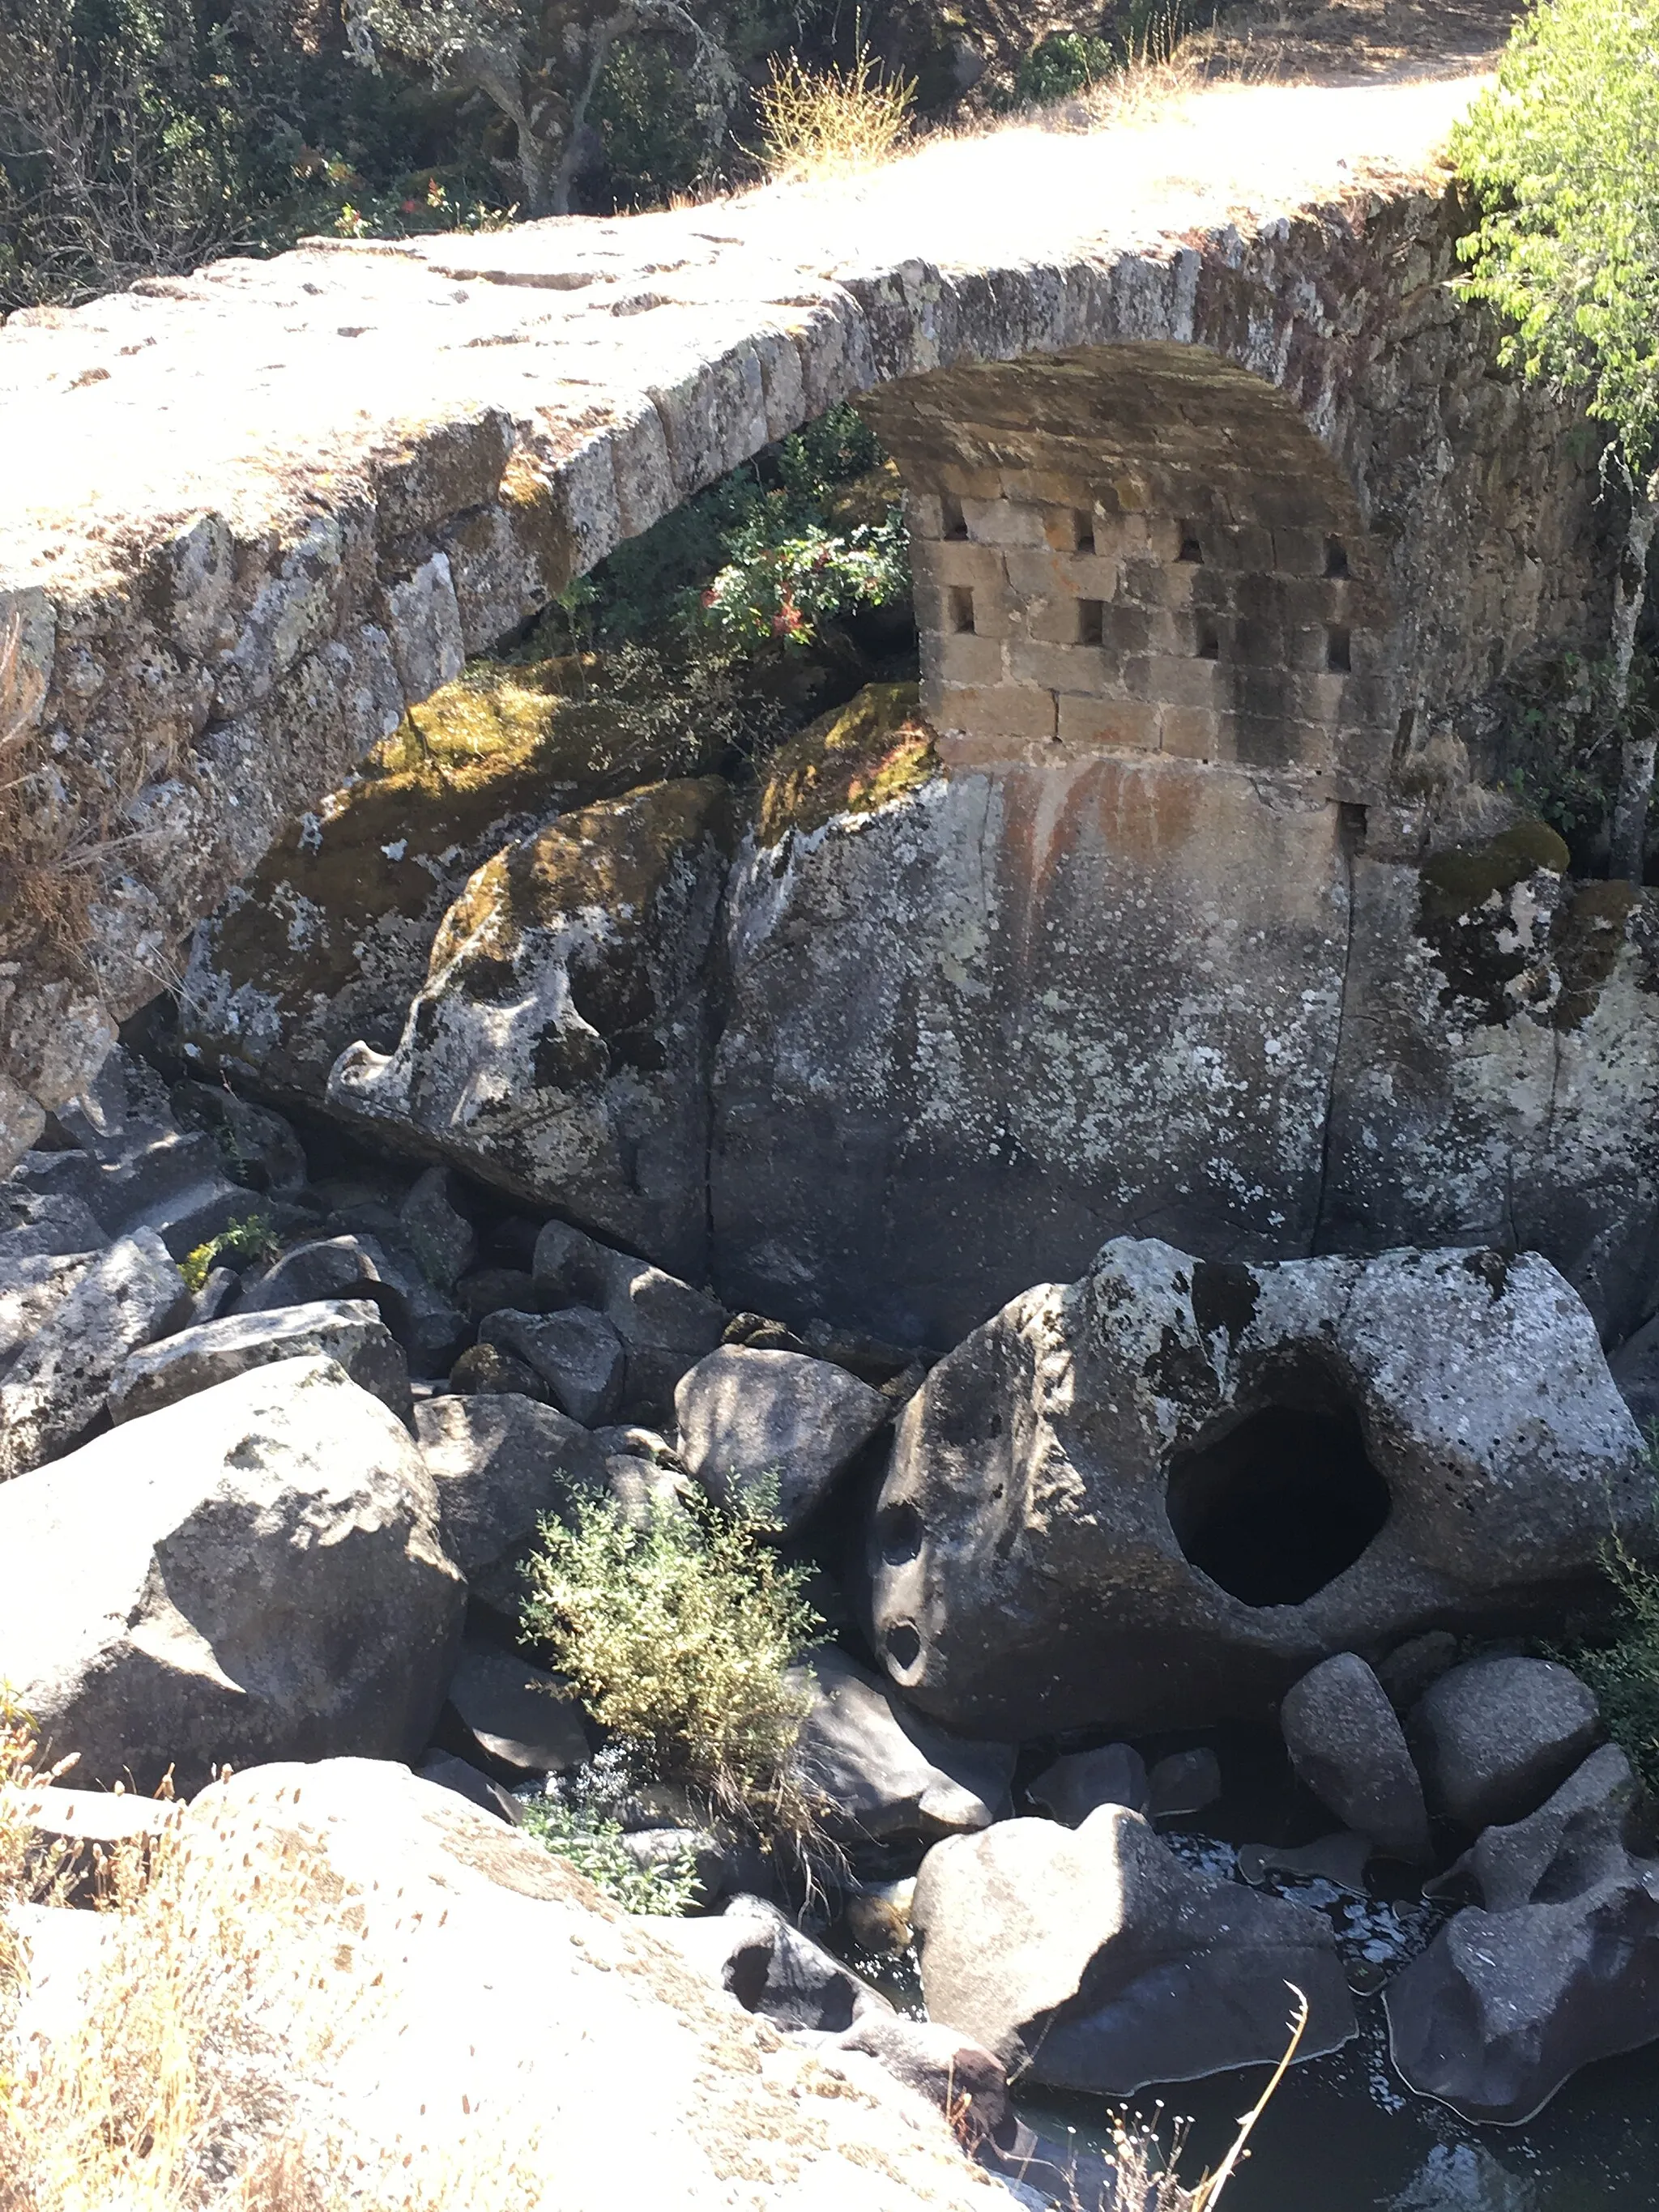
x: 816, y: 125
x: 228, y: 1974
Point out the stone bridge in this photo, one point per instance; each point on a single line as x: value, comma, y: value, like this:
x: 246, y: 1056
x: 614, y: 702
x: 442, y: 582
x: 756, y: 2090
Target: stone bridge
x: 1221, y: 516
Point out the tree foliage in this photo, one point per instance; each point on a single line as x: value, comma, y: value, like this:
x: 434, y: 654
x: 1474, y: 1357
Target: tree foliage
x: 1563, y: 151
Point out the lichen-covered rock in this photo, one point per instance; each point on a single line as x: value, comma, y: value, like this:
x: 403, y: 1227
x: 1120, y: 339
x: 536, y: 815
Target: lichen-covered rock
x: 979, y: 1023
x: 54, y: 1389
x: 1162, y: 1492
x: 752, y: 1422
x: 1347, y: 1745
x: 349, y: 1331
x: 328, y: 941
x: 559, y: 1047
x: 253, y: 1572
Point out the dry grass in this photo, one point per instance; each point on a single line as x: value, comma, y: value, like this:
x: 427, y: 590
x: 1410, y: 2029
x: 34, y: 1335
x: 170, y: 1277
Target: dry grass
x: 223, y: 1981
x: 820, y: 125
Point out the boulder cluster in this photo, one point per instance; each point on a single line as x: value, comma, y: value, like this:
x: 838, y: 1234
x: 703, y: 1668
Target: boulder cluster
x: 270, y: 1495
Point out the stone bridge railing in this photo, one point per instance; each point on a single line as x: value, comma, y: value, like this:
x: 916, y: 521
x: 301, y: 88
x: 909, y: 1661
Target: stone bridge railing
x: 250, y: 516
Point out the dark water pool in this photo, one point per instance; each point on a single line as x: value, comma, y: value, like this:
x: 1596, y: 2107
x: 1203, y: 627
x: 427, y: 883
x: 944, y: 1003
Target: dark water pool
x: 1343, y: 2135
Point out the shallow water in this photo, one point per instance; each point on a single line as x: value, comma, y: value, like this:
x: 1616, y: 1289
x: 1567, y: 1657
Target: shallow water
x: 1343, y: 2134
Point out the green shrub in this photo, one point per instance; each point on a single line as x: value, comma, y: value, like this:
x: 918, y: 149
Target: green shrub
x: 594, y: 1846
x: 676, y: 1633
x: 249, y: 1240
x: 1059, y: 65
x: 1625, y: 1673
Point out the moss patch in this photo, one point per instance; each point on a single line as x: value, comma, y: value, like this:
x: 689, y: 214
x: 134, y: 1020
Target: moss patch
x: 1586, y: 940
x: 499, y: 743
x: 1464, y: 909
x: 875, y: 749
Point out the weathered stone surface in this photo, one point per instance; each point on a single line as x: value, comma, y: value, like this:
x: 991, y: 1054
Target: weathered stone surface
x: 515, y: 1716
x: 1413, y: 1666
x: 329, y: 941
x: 664, y: 1324
x: 32, y: 1285
x: 1161, y: 1493
x: 1083, y: 1781
x: 1183, y: 1782
x: 485, y: 1368
x: 134, y: 1165
x: 1094, y: 1955
x: 459, y: 1914
x: 441, y: 1239
x: 1636, y: 1370
x: 54, y: 1389
x: 499, y: 1464
x: 251, y: 1571
x: 754, y: 1954
x: 1494, y: 1736
x: 259, y: 1146
x: 347, y: 1330
x: 1347, y: 1745
x: 884, y: 1770
x: 576, y: 1352
x: 752, y: 1419
x: 422, y: 1320
x: 1556, y: 1965
x: 559, y: 1047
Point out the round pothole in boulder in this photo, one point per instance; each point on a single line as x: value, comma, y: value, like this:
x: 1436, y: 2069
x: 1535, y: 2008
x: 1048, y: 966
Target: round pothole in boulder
x: 1280, y: 1505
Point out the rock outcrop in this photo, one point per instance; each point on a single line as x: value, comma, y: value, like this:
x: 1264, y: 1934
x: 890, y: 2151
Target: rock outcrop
x: 1090, y: 1959
x: 253, y: 1572
x: 560, y: 1044
x: 349, y: 1331
x: 1160, y: 1493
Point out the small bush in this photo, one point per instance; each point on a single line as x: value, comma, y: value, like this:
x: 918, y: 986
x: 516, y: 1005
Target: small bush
x: 1059, y: 65
x: 249, y: 1240
x: 1625, y: 1673
x: 594, y: 1846
x: 822, y: 124
x: 677, y: 1633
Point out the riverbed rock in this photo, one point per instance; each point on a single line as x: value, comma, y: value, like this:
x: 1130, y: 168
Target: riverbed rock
x: 55, y: 1387
x: 1083, y: 1781
x: 430, y: 1329
x: 441, y: 1238
x: 254, y: 1570
x: 755, y: 1954
x: 1157, y: 1496
x: 499, y: 1464
x: 1556, y: 1964
x: 32, y: 1285
x: 559, y: 1047
x: 349, y: 1330
x: 485, y: 1368
x: 665, y: 1325
x: 1411, y: 1667
x: 1183, y: 1782
x: 886, y: 1771
x: 258, y: 1146
x: 506, y: 1715
x: 1094, y: 1959
x: 507, y: 1996
x: 1349, y: 1748
x: 576, y: 1352
x: 479, y: 1789
x: 753, y: 1420
x: 128, y: 1160
x: 1495, y: 1736
x: 1636, y: 1370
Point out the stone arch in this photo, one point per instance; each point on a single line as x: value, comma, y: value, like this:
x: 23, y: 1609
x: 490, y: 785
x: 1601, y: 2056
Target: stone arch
x: 1143, y: 547
x: 225, y: 631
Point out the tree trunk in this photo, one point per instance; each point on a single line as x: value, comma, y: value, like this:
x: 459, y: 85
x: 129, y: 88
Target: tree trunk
x: 1636, y: 754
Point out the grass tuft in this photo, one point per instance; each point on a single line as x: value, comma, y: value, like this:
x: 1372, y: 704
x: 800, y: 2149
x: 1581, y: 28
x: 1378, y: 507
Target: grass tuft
x: 819, y: 126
